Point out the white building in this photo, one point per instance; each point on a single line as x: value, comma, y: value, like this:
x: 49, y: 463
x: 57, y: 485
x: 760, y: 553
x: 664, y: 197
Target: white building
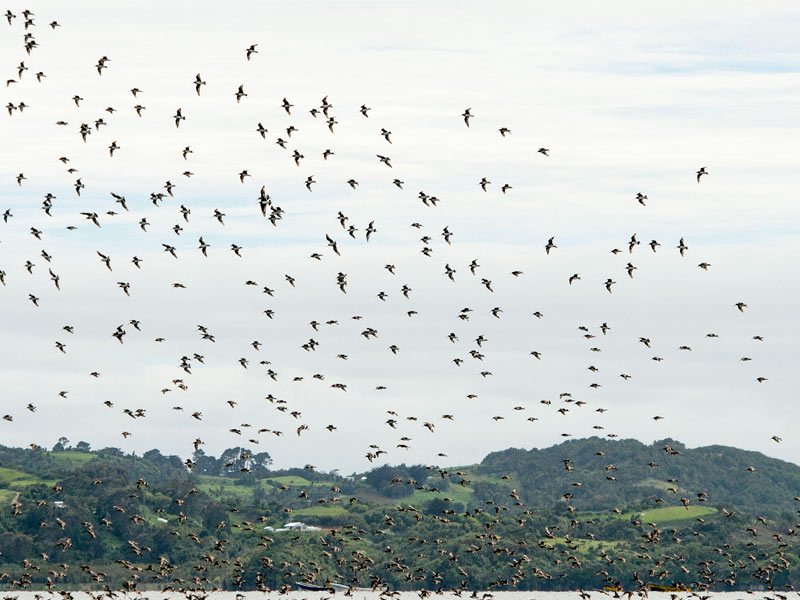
x: 299, y: 526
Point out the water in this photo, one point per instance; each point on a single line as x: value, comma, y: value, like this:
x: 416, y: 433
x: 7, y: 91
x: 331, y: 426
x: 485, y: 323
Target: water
x: 304, y: 595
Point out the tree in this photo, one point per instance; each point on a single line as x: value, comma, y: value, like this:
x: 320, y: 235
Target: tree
x: 204, y: 465
x: 260, y: 462
x: 153, y: 456
x: 229, y: 457
x: 111, y: 451
x: 259, y: 494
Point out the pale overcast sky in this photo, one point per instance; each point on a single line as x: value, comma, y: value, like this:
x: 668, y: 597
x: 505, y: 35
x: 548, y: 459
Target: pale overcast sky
x: 628, y: 98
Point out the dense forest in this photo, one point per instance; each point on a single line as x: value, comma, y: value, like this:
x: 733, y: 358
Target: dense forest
x: 581, y: 515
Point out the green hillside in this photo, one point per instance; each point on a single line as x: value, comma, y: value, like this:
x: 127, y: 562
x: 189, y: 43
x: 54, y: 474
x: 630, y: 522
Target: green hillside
x: 719, y: 472
x: 581, y: 515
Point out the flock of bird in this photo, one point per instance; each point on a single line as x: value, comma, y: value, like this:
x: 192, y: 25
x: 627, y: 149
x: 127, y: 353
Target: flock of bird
x: 15, y: 277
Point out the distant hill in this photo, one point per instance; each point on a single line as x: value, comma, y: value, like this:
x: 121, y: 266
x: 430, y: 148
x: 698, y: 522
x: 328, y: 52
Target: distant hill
x: 584, y: 514
x: 721, y: 472
x: 611, y: 473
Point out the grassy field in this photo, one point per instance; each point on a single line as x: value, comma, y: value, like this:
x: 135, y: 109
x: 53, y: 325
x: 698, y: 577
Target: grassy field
x: 212, y: 485
x: 464, y: 495
x: 587, y: 544
x: 70, y: 460
x: 15, y: 479
x: 7, y: 496
x: 471, y: 473
x: 656, y: 483
x: 321, y: 511
x: 288, y: 480
x: 672, y: 513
